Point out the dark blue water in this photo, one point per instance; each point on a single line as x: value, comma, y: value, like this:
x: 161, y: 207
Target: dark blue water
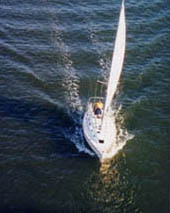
x: 51, y: 54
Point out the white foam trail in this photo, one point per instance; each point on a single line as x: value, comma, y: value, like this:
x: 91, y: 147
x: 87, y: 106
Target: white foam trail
x: 76, y: 138
x: 71, y: 84
x: 70, y: 78
x: 122, y: 136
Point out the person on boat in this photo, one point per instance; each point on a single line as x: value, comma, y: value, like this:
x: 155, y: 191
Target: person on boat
x: 98, y: 108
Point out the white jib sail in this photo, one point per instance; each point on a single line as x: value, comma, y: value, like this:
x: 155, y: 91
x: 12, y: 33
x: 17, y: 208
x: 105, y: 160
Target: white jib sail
x: 117, y: 61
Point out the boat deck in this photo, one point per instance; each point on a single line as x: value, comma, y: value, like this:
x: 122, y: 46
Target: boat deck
x: 101, y: 142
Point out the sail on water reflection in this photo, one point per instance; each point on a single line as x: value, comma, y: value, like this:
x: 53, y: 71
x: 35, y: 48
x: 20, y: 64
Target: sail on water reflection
x: 109, y: 188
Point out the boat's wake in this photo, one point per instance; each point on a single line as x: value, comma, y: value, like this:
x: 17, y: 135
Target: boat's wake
x: 78, y: 139
x: 70, y: 84
x: 122, y: 134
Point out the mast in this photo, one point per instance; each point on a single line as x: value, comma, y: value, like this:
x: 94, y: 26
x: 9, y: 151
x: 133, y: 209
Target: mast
x: 117, y: 61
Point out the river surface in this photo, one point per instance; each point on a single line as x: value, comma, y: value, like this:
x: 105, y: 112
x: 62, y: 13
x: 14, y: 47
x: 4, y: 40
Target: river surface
x: 52, y: 52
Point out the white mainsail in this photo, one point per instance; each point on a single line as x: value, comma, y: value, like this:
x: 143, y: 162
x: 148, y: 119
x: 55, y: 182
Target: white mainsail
x: 117, y: 62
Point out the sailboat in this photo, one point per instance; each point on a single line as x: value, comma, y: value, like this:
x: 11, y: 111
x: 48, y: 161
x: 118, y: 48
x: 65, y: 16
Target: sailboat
x: 100, y: 131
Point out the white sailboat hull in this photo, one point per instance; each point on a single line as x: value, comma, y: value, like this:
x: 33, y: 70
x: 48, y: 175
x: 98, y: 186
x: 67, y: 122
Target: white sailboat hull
x: 101, y: 142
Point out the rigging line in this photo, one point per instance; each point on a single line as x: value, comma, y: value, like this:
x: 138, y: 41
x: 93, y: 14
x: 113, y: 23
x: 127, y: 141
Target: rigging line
x: 95, y: 92
x: 101, y: 90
